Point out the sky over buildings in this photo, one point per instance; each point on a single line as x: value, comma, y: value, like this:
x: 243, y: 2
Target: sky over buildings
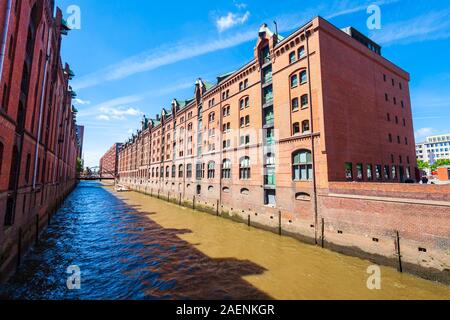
x: 133, y: 57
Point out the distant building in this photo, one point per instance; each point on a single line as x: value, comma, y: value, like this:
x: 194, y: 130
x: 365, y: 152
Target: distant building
x: 109, y: 162
x: 434, y: 148
x: 80, y: 135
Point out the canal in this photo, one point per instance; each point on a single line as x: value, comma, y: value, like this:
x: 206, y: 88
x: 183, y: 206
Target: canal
x: 132, y: 246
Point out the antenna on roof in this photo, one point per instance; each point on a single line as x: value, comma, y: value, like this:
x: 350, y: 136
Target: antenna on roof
x: 276, y: 27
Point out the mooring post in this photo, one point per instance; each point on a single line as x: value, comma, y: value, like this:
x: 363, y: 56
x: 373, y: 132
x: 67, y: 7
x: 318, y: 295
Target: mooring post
x: 279, y: 223
x: 400, y: 268
x: 19, y: 248
x: 217, y: 208
x: 323, y: 233
x: 249, y: 221
x: 179, y: 201
x: 193, y: 203
x: 168, y: 196
x: 158, y: 193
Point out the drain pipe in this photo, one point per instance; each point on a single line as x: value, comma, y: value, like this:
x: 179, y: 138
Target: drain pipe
x: 5, y: 36
x: 41, y: 107
x: 313, y: 147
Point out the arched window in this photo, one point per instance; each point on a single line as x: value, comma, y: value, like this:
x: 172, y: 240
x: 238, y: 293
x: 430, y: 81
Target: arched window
x: 303, y: 77
x: 1, y: 156
x: 304, y: 101
x: 292, y: 57
x: 226, y: 169
x: 167, y: 172
x: 296, y: 128
x: 244, y: 168
x: 211, y: 170
x: 245, y: 191
x: 295, y: 104
x: 189, y: 171
x: 244, y: 103
x: 301, y: 52
x: 153, y: 172
x: 302, y: 167
x: 305, y: 126
x: 14, y: 166
x: 294, y: 81
x: 302, y: 196
x: 174, y: 171
x: 180, y: 171
x: 212, y: 117
x: 226, y: 190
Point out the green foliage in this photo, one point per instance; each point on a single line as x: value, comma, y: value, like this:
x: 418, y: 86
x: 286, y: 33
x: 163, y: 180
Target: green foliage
x: 440, y: 163
x: 422, y: 164
x: 79, y: 166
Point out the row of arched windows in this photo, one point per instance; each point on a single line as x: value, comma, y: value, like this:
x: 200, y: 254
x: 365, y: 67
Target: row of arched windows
x: 302, y: 168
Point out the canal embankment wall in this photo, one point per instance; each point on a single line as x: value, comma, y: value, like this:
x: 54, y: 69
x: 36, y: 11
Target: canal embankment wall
x: 399, y: 225
x: 16, y: 240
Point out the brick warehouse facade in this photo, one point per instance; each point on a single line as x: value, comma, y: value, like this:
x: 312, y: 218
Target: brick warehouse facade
x: 312, y: 138
x: 38, y: 142
x: 109, y: 163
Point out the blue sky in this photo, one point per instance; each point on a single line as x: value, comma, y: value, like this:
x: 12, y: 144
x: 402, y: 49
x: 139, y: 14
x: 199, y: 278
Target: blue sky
x: 132, y: 57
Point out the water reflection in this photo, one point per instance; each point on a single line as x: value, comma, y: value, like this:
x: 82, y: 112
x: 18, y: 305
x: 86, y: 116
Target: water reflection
x: 123, y: 255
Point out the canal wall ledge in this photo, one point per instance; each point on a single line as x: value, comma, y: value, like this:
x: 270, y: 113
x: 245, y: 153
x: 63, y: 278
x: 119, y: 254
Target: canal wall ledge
x: 403, y: 226
x: 16, y: 240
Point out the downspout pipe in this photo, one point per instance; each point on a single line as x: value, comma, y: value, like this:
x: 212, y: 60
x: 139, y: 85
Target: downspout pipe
x: 5, y: 36
x: 313, y: 148
x: 41, y: 107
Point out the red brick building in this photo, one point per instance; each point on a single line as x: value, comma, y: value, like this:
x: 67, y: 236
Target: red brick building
x: 109, y: 162
x: 312, y: 116
x: 38, y: 144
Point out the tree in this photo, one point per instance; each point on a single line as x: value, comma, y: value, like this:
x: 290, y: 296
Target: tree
x: 79, y: 166
x: 422, y: 165
x: 440, y: 163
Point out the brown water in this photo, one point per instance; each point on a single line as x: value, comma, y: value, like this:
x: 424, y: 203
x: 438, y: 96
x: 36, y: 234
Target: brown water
x: 131, y: 246
x: 244, y: 262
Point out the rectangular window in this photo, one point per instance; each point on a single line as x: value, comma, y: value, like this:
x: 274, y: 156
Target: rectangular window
x: 369, y: 172
x: 359, y: 171
x: 269, y: 197
x: 386, y: 173
x: 378, y: 171
x: 267, y: 95
x: 349, y: 171
x: 267, y: 74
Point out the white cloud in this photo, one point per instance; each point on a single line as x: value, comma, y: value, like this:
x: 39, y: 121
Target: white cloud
x: 119, y: 113
x: 103, y: 117
x: 160, y: 57
x: 430, y: 26
x: 240, y: 5
x: 424, y: 132
x: 230, y: 20
x: 81, y: 102
x: 187, y: 49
